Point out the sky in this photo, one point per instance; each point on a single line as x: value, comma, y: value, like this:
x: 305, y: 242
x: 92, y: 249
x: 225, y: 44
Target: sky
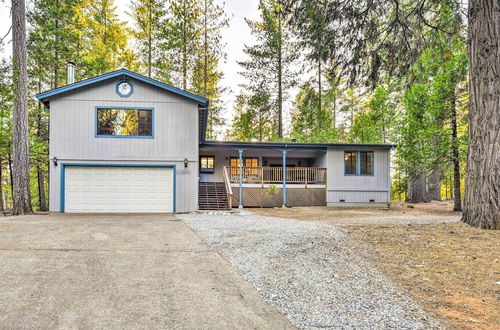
x: 235, y: 37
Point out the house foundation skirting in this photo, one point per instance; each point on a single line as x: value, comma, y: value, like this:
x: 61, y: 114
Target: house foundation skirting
x: 258, y: 197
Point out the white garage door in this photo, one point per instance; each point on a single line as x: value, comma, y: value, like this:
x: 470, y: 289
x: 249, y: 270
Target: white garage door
x: 118, y: 189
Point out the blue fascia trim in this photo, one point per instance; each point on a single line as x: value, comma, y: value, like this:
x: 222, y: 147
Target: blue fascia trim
x: 125, y: 136
x: 63, y: 168
x: 118, y: 73
x: 289, y: 145
x: 132, y: 87
x: 358, y: 163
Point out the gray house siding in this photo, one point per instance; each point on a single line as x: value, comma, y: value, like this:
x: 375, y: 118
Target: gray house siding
x: 357, y: 190
x: 73, y: 140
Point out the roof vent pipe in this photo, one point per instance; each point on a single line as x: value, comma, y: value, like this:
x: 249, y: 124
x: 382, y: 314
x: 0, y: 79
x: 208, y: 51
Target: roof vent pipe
x: 71, y: 72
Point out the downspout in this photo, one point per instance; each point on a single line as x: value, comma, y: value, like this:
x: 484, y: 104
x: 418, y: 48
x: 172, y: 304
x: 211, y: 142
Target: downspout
x: 284, y: 178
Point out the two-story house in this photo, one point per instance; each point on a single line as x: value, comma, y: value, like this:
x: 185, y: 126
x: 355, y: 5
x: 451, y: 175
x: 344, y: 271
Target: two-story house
x: 122, y: 142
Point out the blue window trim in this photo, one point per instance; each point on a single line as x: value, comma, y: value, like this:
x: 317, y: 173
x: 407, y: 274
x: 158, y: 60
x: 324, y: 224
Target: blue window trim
x: 132, y: 88
x: 207, y: 170
x: 125, y: 136
x: 358, y: 161
x: 63, y: 177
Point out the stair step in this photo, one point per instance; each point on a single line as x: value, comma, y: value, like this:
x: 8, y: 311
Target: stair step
x: 212, y: 196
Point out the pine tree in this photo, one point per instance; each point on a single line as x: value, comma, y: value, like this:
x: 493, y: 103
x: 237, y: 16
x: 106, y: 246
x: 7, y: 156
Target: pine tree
x: 482, y: 193
x: 242, y: 124
x: 181, y: 35
x: 311, y: 123
x: 149, y: 16
x: 310, y: 19
x: 206, y: 76
x: 429, y: 141
x: 52, y: 42
x: 103, y: 39
x: 253, y: 120
x: 271, y: 60
x: 374, y: 122
x: 21, y: 199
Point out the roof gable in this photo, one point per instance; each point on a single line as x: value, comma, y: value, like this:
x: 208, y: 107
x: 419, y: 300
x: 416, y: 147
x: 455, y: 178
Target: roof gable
x: 202, y: 101
x: 45, y: 96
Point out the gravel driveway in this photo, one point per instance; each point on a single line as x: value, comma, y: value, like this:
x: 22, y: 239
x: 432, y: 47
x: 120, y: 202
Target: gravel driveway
x: 309, y: 271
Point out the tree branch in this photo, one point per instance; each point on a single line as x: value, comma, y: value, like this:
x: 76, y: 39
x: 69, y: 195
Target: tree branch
x: 5, y: 36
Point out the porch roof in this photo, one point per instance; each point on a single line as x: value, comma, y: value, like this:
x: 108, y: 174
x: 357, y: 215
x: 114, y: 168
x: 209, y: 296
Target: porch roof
x: 288, y: 145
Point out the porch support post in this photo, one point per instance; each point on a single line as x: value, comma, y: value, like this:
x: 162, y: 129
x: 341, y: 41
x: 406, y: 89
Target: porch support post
x: 284, y: 151
x: 241, y: 178
x: 240, y: 152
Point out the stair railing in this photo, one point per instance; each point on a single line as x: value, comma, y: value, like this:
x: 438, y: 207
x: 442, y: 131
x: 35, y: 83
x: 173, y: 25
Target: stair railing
x: 229, y: 189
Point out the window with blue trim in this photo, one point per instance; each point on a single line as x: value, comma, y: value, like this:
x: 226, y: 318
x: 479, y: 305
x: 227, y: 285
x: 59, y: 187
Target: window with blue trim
x: 207, y: 164
x: 358, y: 162
x: 124, y: 122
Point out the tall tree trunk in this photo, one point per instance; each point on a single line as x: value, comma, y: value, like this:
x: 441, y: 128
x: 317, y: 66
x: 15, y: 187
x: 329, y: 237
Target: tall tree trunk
x: 2, y: 206
x: 11, y: 175
x: 280, y: 82
x: 209, y: 129
x: 482, y: 188
x: 320, y: 91
x: 457, y: 198
x: 205, y: 55
x: 150, y: 39
x: 417, y: 193
x: 42, y: 201
x: 334, y: 108
x: 434, y: 185
x: 184, y: 48
x: 21, y: 201
x: 56, y: 50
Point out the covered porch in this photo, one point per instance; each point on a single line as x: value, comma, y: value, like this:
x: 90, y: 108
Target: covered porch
x: 266, y: 174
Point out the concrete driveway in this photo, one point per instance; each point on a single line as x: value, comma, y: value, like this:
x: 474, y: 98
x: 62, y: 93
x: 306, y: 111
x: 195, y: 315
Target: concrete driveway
x: 120, y: 272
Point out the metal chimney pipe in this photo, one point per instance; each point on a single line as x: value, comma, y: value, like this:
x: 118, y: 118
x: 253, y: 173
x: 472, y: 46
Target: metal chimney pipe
x: 71, y: 73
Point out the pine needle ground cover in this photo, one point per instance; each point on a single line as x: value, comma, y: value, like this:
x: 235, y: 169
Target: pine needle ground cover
x: 450, y: 268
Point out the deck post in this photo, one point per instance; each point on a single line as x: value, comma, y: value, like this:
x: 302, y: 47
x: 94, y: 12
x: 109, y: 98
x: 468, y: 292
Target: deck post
x: 240, y: 151
x: 284, y: 177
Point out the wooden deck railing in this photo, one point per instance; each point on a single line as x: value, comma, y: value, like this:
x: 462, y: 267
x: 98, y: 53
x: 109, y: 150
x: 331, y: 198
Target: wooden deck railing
x: 274, y: 175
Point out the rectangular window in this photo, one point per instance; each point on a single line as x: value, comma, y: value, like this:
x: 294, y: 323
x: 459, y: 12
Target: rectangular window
x: 351, y: 162
x: 358, y: 162
x: 247, y: 161
x: 207, y: 164
x: 366, y: 162
x: 116, y: 122
x: 252, y: 161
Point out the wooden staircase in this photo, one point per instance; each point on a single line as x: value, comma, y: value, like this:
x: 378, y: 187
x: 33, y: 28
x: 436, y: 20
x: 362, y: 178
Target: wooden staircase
x: 212, y: 196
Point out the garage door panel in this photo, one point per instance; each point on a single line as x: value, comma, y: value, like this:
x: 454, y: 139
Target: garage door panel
x: 118, y: 189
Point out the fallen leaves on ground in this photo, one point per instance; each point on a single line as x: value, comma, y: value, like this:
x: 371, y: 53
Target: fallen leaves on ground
x: 451, y: 269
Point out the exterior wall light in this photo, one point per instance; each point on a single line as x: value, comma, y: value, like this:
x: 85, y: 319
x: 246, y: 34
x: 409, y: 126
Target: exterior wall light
x: 185, y: 162
x: 54, y: 160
